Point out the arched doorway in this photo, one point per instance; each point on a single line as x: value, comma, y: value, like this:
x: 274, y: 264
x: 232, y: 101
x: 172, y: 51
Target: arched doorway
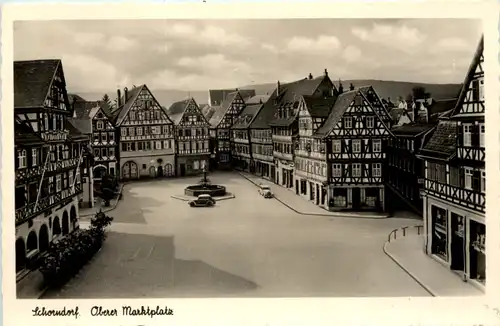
x: 169, y: 170
x: 32, y: 243
x: 20, y: 255
x: 43, y: 238
x: 65, y: 223
x: 160, y: 171
x: 56, y: 227
x: 99, y: 172
x: 130, y: 170
x: 73, y: 218
x: 152, y: 172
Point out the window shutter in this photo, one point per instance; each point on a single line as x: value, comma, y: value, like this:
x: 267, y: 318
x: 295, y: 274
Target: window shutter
x: 475, y: 135
x: 475, y: 90
x: 460, y: 135
x: 476, y: 177
x: 461, y: 178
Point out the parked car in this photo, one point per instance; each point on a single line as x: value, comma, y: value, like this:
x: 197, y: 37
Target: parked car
x: 202, y: 201
x: 265, y: 191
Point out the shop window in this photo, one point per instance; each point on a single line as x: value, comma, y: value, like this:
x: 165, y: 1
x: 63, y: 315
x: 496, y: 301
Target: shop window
x: 478, y: 252
x: 439, y: 232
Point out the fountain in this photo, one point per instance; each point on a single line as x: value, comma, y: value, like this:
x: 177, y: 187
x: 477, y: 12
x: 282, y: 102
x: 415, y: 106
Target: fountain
x: 205, y: 187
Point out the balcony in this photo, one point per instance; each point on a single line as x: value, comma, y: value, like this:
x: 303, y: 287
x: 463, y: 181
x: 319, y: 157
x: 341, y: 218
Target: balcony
x: 463, y: 197
x: 261, y: 140
x: 29, y: 211
x: 280, y: 138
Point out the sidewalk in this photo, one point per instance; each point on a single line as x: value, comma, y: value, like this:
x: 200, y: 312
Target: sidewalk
x: 439, y: 281
x: 87, y: 213
x: 302, y: 206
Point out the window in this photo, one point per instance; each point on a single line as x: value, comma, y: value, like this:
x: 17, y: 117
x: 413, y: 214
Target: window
x: 96, y: 138
x: 337, y: 170
x: 454, y: 176
x: 34, y: 157
x: 336, y: 146
x: 22, y: 161
x: 124, y: 147
x: 196, y: 165
x: 70, y: 177
x: 482, y: 142
x: 377, y: 169
x: 104, y: 137
x: 97, y: 152
x: 58, y: 183
x: 467, y: 134
x: 131, y: 131
x: 441, y: 173
x: 475, y: 90
x: 347, y: 122
x: 468, y: 178
x: 132, y: 115
x: 377, y: 145
x: 356, y: 169
x: 111, y: 136
x: 483, y: 181
x: 165, y: 130
x: 356, y: 146
x: 153, y: 130
x: 370, y: 122
x: 104, y: 152
x: 481, y: 89
x: 139, y: 131
x: 124, y: 132
x: 111, y: 151
x: 100, y: 125
x: 166, y: 144
x: 157, y: 144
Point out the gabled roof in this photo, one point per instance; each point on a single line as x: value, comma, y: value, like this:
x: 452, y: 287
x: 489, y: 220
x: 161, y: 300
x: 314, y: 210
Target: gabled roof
x: 442, y: 144
x: 412, y: 129
x: 176, y: 110
x: 257, y: 99
x: 319, y: 107
x: 365, y: 91
x: 217, y: 96
x: 75, y: 97
x: 221, y: 110
x: 74, y: 132
x: 82, y: 108
x: 247, y: 116
x: 339, y: 108
x: 32, y: 80
x: 440, y: 106
x: 83, y: 125
x: 470, y: 75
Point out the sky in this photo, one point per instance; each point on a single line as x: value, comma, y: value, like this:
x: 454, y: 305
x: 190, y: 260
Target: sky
x: 207, y: 54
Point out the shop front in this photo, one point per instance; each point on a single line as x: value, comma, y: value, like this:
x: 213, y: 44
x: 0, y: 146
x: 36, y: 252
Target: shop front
x: 355, y: 198
x: 456, y: 237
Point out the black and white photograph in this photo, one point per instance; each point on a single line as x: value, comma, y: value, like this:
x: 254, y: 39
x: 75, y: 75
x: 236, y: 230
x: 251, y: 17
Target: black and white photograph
x: 248, y: 158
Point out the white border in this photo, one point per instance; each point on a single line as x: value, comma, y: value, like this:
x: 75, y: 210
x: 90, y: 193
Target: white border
x: 370, y: 311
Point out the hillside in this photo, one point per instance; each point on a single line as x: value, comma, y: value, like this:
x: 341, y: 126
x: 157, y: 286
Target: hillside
x: 385, y: 89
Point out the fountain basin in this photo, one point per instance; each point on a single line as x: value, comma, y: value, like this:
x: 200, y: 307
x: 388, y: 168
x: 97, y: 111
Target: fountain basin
x: 212, y: 190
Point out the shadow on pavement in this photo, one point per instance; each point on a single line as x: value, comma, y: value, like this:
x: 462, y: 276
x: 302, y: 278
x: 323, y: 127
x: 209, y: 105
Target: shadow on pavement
x: 133, y: 266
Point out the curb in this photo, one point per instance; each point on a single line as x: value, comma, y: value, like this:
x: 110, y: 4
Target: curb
x: 110, y: 208
x: 415, y: 278
x: 214, y: 198
x: 372, y: 217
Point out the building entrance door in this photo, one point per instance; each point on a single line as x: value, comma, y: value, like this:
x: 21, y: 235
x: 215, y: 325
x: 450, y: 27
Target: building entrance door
x: 457, y: 242
x: 182, y: 169
x: 356, y: 198
x: 160, y: 171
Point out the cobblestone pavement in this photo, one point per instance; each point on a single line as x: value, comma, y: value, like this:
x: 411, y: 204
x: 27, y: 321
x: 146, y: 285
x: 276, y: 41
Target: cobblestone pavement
x: 248, y: 246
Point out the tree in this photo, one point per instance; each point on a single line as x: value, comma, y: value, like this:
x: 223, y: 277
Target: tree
x: 106, y: 99
x: 419, y: 93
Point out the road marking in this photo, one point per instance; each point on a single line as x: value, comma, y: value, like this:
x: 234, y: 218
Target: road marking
x: 150, y: 251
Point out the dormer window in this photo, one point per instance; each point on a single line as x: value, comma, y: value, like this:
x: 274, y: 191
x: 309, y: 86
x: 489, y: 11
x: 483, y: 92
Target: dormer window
x: 348, y: 122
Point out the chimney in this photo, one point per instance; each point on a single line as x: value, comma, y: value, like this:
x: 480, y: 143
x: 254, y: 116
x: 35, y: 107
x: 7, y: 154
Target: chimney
x: 73, y: 107
x: 260, y: 101
x: 326, y: 73
x: 278, y: 88
x: 341, y: 88
x: 119, y: 94
x: 125, y: 94
x: 351, y: 87
x: 310, y: 76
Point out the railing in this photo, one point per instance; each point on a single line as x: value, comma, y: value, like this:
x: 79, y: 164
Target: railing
x: 144, y: 122
x: 147, y: 137
x: 37, y: 171
x: 458, y: 195
x: 24, y: 213
x: 261, y: 140
x: 281, y: 138
x: 197, y: 137
x: 54, y: 135
x: 404, y: 231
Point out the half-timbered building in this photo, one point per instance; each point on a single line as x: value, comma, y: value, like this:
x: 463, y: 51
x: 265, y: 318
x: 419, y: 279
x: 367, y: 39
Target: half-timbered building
x: 311, y: 173
x: 241, y: 137
x: 455, y: 181
x: 192, y: 137
x: 49, y: 154
x: 284, y: 103
x: 221, y: 121
x: 146, y: 135
x: 355, y: 139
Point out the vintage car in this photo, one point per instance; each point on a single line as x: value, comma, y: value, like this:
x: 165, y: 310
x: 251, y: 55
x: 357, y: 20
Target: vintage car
x: 265, y: 191
x: 202, y: 201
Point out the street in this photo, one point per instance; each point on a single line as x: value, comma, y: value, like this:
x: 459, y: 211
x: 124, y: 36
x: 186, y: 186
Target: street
x: 248, y: 246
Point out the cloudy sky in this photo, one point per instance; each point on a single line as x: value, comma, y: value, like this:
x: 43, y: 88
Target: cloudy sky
x: 203, y: 54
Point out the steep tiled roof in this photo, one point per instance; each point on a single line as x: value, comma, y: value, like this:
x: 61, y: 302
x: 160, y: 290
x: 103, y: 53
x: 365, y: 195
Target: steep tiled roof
x: 83, y: 125
x: 176, y: 110
x: 439, y: 106
x: 365, y: 90
x: 210, y: 112
x: 24, y: 134
x: 74, y: 132
x: 319, y: 107
x: 442, y: 144
x: 470, y: 75
x: 32, y: 80
x: 221, y: 110
x: 411, y: 129
x: 257, y: 99
x: 246, y: 93
x: 247, y: 116
x: 339, y: 108
x: 75, y: 97
x: 217, y: 96
x: 122, y: 111
x: 82, y: 108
